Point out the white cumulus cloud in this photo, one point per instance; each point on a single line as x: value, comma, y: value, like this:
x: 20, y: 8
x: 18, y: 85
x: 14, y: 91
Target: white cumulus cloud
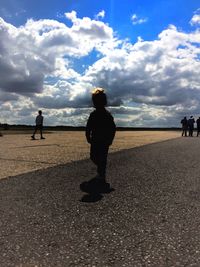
x: 195, y: 19
x: 137, y: 20
x: 101, y: 14
x: 30, y: 53
x: 148, y: 83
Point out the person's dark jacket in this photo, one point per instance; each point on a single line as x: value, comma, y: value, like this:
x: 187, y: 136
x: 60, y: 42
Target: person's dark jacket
x: 191, y: 122
x: 198, y: 123
x: 184, y: 123
x: 100, y: 127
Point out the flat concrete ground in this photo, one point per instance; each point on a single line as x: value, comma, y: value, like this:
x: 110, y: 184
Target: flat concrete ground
x: 152, y: 218
x: 19, y: 154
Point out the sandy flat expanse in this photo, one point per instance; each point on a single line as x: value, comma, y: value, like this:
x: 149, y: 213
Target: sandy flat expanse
x: 19, y: 154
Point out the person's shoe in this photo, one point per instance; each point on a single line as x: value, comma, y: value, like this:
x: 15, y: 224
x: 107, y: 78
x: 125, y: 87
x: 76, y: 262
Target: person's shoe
x: 33, y: 137
x: 97, y: 177
x: 42, y: 138
x: 100, y: 178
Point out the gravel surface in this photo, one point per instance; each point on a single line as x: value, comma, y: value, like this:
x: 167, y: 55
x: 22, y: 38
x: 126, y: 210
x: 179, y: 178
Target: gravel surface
x: 150, y: 218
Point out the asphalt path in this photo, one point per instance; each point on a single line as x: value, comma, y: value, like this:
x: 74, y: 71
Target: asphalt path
x: 150, y: 217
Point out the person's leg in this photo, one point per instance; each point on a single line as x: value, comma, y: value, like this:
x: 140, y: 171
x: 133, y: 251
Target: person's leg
x: 35, y: 130
x: 185, y: 132
x: 41, y: 135
x: 95, y: 156
x: 102, y: 161
x: 94, y: 153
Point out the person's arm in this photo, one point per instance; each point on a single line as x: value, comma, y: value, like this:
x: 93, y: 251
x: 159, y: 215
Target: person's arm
x: 88, y: 130
x: 112, y: 130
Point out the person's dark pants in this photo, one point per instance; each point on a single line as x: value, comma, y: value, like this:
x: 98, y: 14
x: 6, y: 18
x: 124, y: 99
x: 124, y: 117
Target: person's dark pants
x: 98, y: 154
x: 191, y: 129
x: 184, y: 132
x: 38, y: 127
x: 198, y: 131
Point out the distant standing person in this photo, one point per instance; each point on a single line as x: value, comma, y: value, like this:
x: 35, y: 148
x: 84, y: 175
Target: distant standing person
x: 198, y: 126
x: 191, y: 122
x: 38, y: 125
x: 100, y: 132
x: 184, y: 123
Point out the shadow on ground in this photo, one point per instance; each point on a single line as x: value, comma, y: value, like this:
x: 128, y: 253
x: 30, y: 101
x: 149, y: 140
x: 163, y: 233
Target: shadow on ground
x: 94, y: 189
x: 152, y: 219
x: 43, y: 215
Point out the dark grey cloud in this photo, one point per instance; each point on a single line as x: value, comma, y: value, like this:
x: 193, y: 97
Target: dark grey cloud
x: 122, y: 110
x: 58, y: 38
x: 61, y: 102
x: 76, y: 112
x: 4, y: 97
x: 25, y: 112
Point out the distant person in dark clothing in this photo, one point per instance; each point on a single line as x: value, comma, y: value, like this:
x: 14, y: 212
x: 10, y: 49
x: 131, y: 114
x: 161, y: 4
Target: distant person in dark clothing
x: 38, y: 125
x: 100, y: 132
x: 198, y: 126
x: 184, y: 123
x: 191, y: 122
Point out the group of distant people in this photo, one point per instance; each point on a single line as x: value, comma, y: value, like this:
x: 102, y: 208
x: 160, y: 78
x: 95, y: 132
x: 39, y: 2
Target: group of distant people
x: 188, y: 126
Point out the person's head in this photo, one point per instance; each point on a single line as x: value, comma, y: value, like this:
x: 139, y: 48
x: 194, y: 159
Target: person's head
x: 191, y: 117
x: 185, y: 117
x: 40, y: 112
x: 99, y: 98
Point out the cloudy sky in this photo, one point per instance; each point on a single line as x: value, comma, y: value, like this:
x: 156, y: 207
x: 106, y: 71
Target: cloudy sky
x: 146, y: 54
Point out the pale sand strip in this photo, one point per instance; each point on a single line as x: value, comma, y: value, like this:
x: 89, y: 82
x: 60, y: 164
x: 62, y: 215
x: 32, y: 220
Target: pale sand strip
x: 18, y: 154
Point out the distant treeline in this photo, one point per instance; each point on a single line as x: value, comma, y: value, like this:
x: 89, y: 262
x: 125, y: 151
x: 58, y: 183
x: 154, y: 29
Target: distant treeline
x: 4, y: 126
x: 21, y: 127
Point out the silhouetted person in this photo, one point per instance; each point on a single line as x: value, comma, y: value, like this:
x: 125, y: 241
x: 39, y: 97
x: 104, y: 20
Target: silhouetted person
x: 184, y: 123
x: 38, y: 125
x: 100, y: 132
x: 198, y: 126
x: 191, y: 122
